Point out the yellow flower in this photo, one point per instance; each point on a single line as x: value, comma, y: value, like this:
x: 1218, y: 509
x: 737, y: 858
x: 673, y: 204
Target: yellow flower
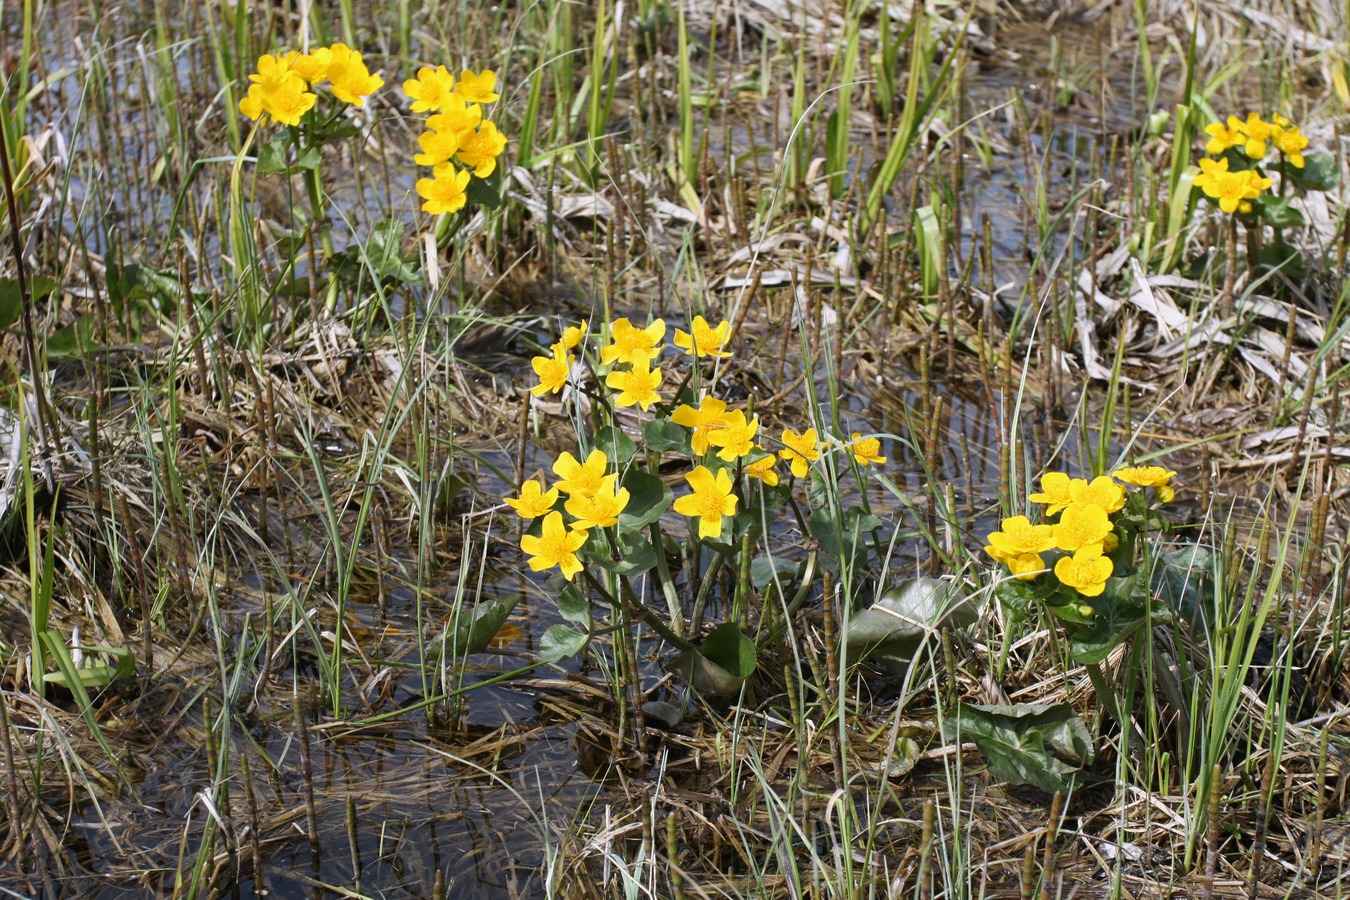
x: 1144, y: 476
x: 1258, y: 132
x: 579, y: 478
x: 711, y: 500
x: 1221, y: 137
x: 1082, y: 525
x: 430, y: 89
x: 1054, y: 492
x: 737, y: 438
x: 479, y: 88
x: 763, y: 469
x: 705, y: 340
x: 1019, y: 537
x: 352, y: 81
x: 575, y: 334
x: 1101, y: 491
x: 1165, y: 494
x: 443, y: 193
x: 1025, y: 566
x: 555, y: 546
x: 601, y: 509
x: 636, y: 385
x: 437, y: 147
x: 311, y: 66
x: 631, y: 344
x: 1289, y: 142
x: 867, y: 451
x: 480, y: 149
x: 800, y: 449
x: 552, y: 370
x: 278, y: 91
x: 710, y: 417
x: 533, y: 501
x: 1086, y: 571
x: 1229, y: 188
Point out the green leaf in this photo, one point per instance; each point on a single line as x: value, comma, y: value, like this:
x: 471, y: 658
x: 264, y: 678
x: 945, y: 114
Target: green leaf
x: 845, y: 544
x: 1283, y: 257
x: 96, y: 673
x: 487, y: 191
x: 1184, y: 580
x: 764, y: 570
x: 907, y: 612
x: 667, y: 715
x: 1018, y: 598
x: 663, y: 434
x: 1319, y: 172
x: 634, y: 555
x: 648, y: 499
x: 475, y: 628
x: 721, y: 665
x: 1117, y: 614
x: 11, y: 301
x: 1277, y: 212
x: 72, y: 341
x: 1044, y: 746
x: 560, y: 642
x: 618, y: 446
x: 272, y: 156
x: 574, y: 607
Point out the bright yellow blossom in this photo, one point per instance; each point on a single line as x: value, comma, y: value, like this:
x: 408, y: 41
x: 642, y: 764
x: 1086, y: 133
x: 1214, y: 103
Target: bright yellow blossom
x: 533, y: 501
x: 555, y: 546
x: 1229, y: 188
x: 867, y: 451
x: 1222, y: 137
x: 1018, y: 537
x: 1165, y: 494
x: 636, y: 386
x: 444, y: 192
x: 763, y: 469
x: 736, y: 438
x: 552, y: 370
x: 479, y: 149
x: 1086, y: 571
x: 352, y: 81
x: 711, y: 500
x: 631, y: 344
x: 311, y: 66
x: 704, y: 340
x: 278, y: 91
x: 430, y: 89
x: 1289, y: 142
x: 1258, y: 132
x: 800, y: 449
x: 574, y: 334
x: 478, y: 88
x: 1054, y: 492
x: 1025, y: 566
x: 578, y: 478
x: 1082, y: 525
x: 710, y: 417
x: 1101, y: 491
x: 601, y: 509
x: 1144, y: 476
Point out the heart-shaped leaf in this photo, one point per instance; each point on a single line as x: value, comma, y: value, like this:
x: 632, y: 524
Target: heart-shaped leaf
x: 1044, y: 746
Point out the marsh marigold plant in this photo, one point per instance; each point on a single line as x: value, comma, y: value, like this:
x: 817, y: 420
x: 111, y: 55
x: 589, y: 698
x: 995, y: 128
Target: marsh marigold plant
x: 657, y: 446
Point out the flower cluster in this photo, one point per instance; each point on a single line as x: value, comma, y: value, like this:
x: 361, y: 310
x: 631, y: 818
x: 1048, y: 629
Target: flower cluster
x: 459, y: 142
x: 282, y: 86
x: 1235, y: 179
x: 724, y: 442
x: 1084, y: 531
